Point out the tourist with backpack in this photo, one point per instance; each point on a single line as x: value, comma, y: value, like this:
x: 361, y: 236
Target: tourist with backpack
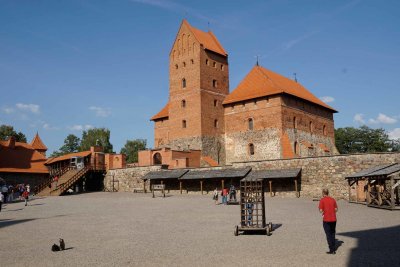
x: 25, y: 196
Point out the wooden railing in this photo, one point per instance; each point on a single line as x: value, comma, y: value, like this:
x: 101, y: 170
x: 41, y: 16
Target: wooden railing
x: 59, y: 172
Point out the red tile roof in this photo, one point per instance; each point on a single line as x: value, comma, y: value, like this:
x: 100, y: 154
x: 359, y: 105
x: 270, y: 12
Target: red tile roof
x: 207, y: 39
x: 162, y: 114
x: 67, y: 157
x: 23, y: 158
x: 261, y: 82
x: 210, y: 161
x: 37, y: 143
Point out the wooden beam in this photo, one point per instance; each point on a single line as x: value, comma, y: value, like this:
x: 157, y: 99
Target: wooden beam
x: 357, y: 191
x: 201, y: 186
x: 222, y: 184
x: 392, y: 197
x: 180, y: 186
x: 270, y: 188
x: 144, y: 186
x: 296, y: 188
x: 368, y: 192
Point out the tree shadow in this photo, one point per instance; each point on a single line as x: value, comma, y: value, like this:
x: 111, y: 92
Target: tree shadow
x: 7, y: 222
x: 376, y: 247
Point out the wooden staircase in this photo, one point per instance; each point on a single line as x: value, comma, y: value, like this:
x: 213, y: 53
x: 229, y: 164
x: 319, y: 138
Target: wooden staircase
x: 65, y: 181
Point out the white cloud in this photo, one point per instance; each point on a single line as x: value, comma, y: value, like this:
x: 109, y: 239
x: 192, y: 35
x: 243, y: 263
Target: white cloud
x: 101, y: 112
x: 394, y: 134
x: 299, y: 39
x: 28, y: 107
x: 78, y: 127
x: 7, y: 110
x: 359, y: 118
x: 327, y: 99
x: 47, y: 126
x: 382, y: 118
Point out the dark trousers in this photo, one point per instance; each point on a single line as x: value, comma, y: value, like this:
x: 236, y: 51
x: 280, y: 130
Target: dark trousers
x: 0, y: 205
x: 330, y: 231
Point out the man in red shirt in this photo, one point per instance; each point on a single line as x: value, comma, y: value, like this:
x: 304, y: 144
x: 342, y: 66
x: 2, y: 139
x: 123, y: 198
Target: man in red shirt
x: 328, y: 208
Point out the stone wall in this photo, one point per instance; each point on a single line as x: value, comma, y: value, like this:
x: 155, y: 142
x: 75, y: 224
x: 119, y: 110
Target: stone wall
x: 326, y: 172
x: 125, y: 180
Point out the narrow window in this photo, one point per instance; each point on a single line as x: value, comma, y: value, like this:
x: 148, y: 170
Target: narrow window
x: 207, y: 62
x: 183, y: 83
x: 215, y: 102
x: 192, y: 61
x: 176, y: 66
x: 294, y: 122
x: 215, y: 123
x: 183, y: 103
x: 215, y: 83
x: 184, y: 64
x: 222, y: 67
x: 251, y: 124
x: 311, y: 127
x: 296, y: 148
x: 251, y: 149
x: 184, y: 124
x: 324, y: 130
x: 214, y: 64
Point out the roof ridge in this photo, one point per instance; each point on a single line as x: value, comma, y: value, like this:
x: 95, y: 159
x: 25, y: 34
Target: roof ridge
x: 266, y: 75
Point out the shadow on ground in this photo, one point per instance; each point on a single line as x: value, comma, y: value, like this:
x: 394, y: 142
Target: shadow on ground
x: 375, y: 247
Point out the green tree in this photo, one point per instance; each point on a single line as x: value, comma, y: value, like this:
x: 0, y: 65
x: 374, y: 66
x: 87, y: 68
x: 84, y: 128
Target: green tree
x: 56, y: 153
x: 96, y: 136
x: 362, y: 140
x: 71, y: 144
x: 6, y: 131
x: 131, y: 149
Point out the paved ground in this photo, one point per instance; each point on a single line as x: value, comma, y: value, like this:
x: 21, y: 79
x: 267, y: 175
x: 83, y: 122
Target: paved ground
x: 126, y: 229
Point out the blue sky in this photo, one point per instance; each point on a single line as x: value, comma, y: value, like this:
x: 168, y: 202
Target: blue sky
x: 66, y: 66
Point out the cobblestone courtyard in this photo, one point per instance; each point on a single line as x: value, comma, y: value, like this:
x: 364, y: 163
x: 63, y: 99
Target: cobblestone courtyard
x: 126, y: 229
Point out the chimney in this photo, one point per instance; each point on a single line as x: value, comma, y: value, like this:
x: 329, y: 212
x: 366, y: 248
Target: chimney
x: 11, y: 142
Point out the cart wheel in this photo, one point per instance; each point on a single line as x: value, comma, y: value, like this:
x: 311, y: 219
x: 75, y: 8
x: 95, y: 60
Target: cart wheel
x: 268, y: 232
x: 270, y: 226
x: 236, y: 232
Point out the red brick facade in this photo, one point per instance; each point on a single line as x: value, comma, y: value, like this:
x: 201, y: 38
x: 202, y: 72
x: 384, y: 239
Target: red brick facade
x: 267, y: 116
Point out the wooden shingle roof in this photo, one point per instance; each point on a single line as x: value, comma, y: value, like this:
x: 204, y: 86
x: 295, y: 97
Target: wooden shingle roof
x: 217, y: 173
x: 37, y: 143
x: 165, y: 174
x: 273, y: 174
x: 381, y: 170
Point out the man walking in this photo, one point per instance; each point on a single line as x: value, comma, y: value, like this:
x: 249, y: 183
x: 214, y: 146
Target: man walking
x: 328, y: 208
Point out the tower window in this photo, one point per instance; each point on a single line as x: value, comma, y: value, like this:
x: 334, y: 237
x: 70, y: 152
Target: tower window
x: 296, y: 148
x: 184, y: 124
x: 215, y: 102
x: 183, y: 83
x: 184, y: 64
x: 215, y: 83
x: 251, y: 124
x: 207, y: 62
x: 222, y: 67
x: 214, y: 64
x: 324, y: 130
x: 311, y: 127
x: 215, y: 123
x: 251, y: 149
x: 192, y: 61
x: 183, y: 103
x: 294, y: 122
x: 176, y: 66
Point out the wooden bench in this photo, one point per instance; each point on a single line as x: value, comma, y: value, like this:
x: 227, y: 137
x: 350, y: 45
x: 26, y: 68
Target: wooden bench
x: 139, y: 190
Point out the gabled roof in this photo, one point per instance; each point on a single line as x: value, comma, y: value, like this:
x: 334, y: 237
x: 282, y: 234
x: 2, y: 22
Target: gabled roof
x: 261, y: 82
x: 22, y: 158
x: 273, y: 174
x: 210, y: 161
x: 216, y: 173
x: 165, y: 174
x: 377, y: 170
x: 68, y: 156
x: 164, y: 113
x: 37, y: 143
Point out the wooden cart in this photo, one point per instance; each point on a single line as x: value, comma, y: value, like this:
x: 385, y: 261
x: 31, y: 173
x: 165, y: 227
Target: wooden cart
x: 252, y: 207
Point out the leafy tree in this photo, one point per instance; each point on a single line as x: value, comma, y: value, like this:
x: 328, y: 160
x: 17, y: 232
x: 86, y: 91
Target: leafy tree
x: 362, y: 140
x: 71, y: 144
x: 132, y: 148
x: 56, y: 153
x: 96, y: 136
x: 6, y: 131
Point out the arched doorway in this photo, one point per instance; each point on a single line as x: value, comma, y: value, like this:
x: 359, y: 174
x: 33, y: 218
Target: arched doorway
x: 157, y: 159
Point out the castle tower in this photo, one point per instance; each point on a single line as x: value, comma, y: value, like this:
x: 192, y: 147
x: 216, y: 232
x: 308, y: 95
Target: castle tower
x: 199, y: 82
x: 38, y: 145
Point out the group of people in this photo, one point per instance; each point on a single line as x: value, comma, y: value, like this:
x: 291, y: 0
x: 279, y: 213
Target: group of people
x: 8, y: 193
x: 224, y: 195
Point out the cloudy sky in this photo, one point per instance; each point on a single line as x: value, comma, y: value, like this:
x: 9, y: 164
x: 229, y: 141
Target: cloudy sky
x: 67, y: 66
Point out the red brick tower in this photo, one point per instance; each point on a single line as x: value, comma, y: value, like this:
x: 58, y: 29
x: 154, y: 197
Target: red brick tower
x: 199, y: 82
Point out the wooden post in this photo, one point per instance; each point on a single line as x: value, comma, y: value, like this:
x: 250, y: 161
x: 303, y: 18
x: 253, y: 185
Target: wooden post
x: 222, y: 184
x: 180, y: 186
x: 349, y: 191
x: 201, y: 186
x: 368, y: 192
x: 295, y: 188
x: 144, y: 186
x: 392, y: 200
x: 356, y: 191
x: 270, y: 188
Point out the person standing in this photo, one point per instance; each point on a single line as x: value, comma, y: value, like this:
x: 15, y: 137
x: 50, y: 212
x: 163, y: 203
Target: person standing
x: 25, y: 196
x: 55, y: 182
x: 4, y: 190
x: 225, y: 196
x: 215, y: 196
x: 328, y: 209
x: 232, y: 193
x: 1, y: 199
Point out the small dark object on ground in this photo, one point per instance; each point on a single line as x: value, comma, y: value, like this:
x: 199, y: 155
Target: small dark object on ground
x: 62, y: 244
x: 55, y: 248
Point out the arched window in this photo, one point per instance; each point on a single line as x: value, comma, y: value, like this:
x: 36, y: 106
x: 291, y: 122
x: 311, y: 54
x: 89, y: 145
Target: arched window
x: 324, y: 130
x: 183, y: 83
x: 251, y: 124
x: 215, y: 123
x: 215, y: 83
x: 311, y: 127
x: 184, y: 64
x: 251, y: 149
x: 294, y: 122
x: 222, y: 67
x: 184, y: 124
x: 183, y: 103
x: 157, y: 159
x: 215, y: 102
x: 296, y: 148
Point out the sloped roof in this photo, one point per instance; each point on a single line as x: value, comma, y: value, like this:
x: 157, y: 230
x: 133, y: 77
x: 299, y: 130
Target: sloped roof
x: 210, y: 161
x: 164, y: 113
x: 261, y: 82
x: 376, y: 171
x: 273, y: 174
x: 217, y: 173
x: 37, y: 143
x: 68, y: 156
x: 207, y: 39
x: 165, y: 174
x: 23, y: 158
